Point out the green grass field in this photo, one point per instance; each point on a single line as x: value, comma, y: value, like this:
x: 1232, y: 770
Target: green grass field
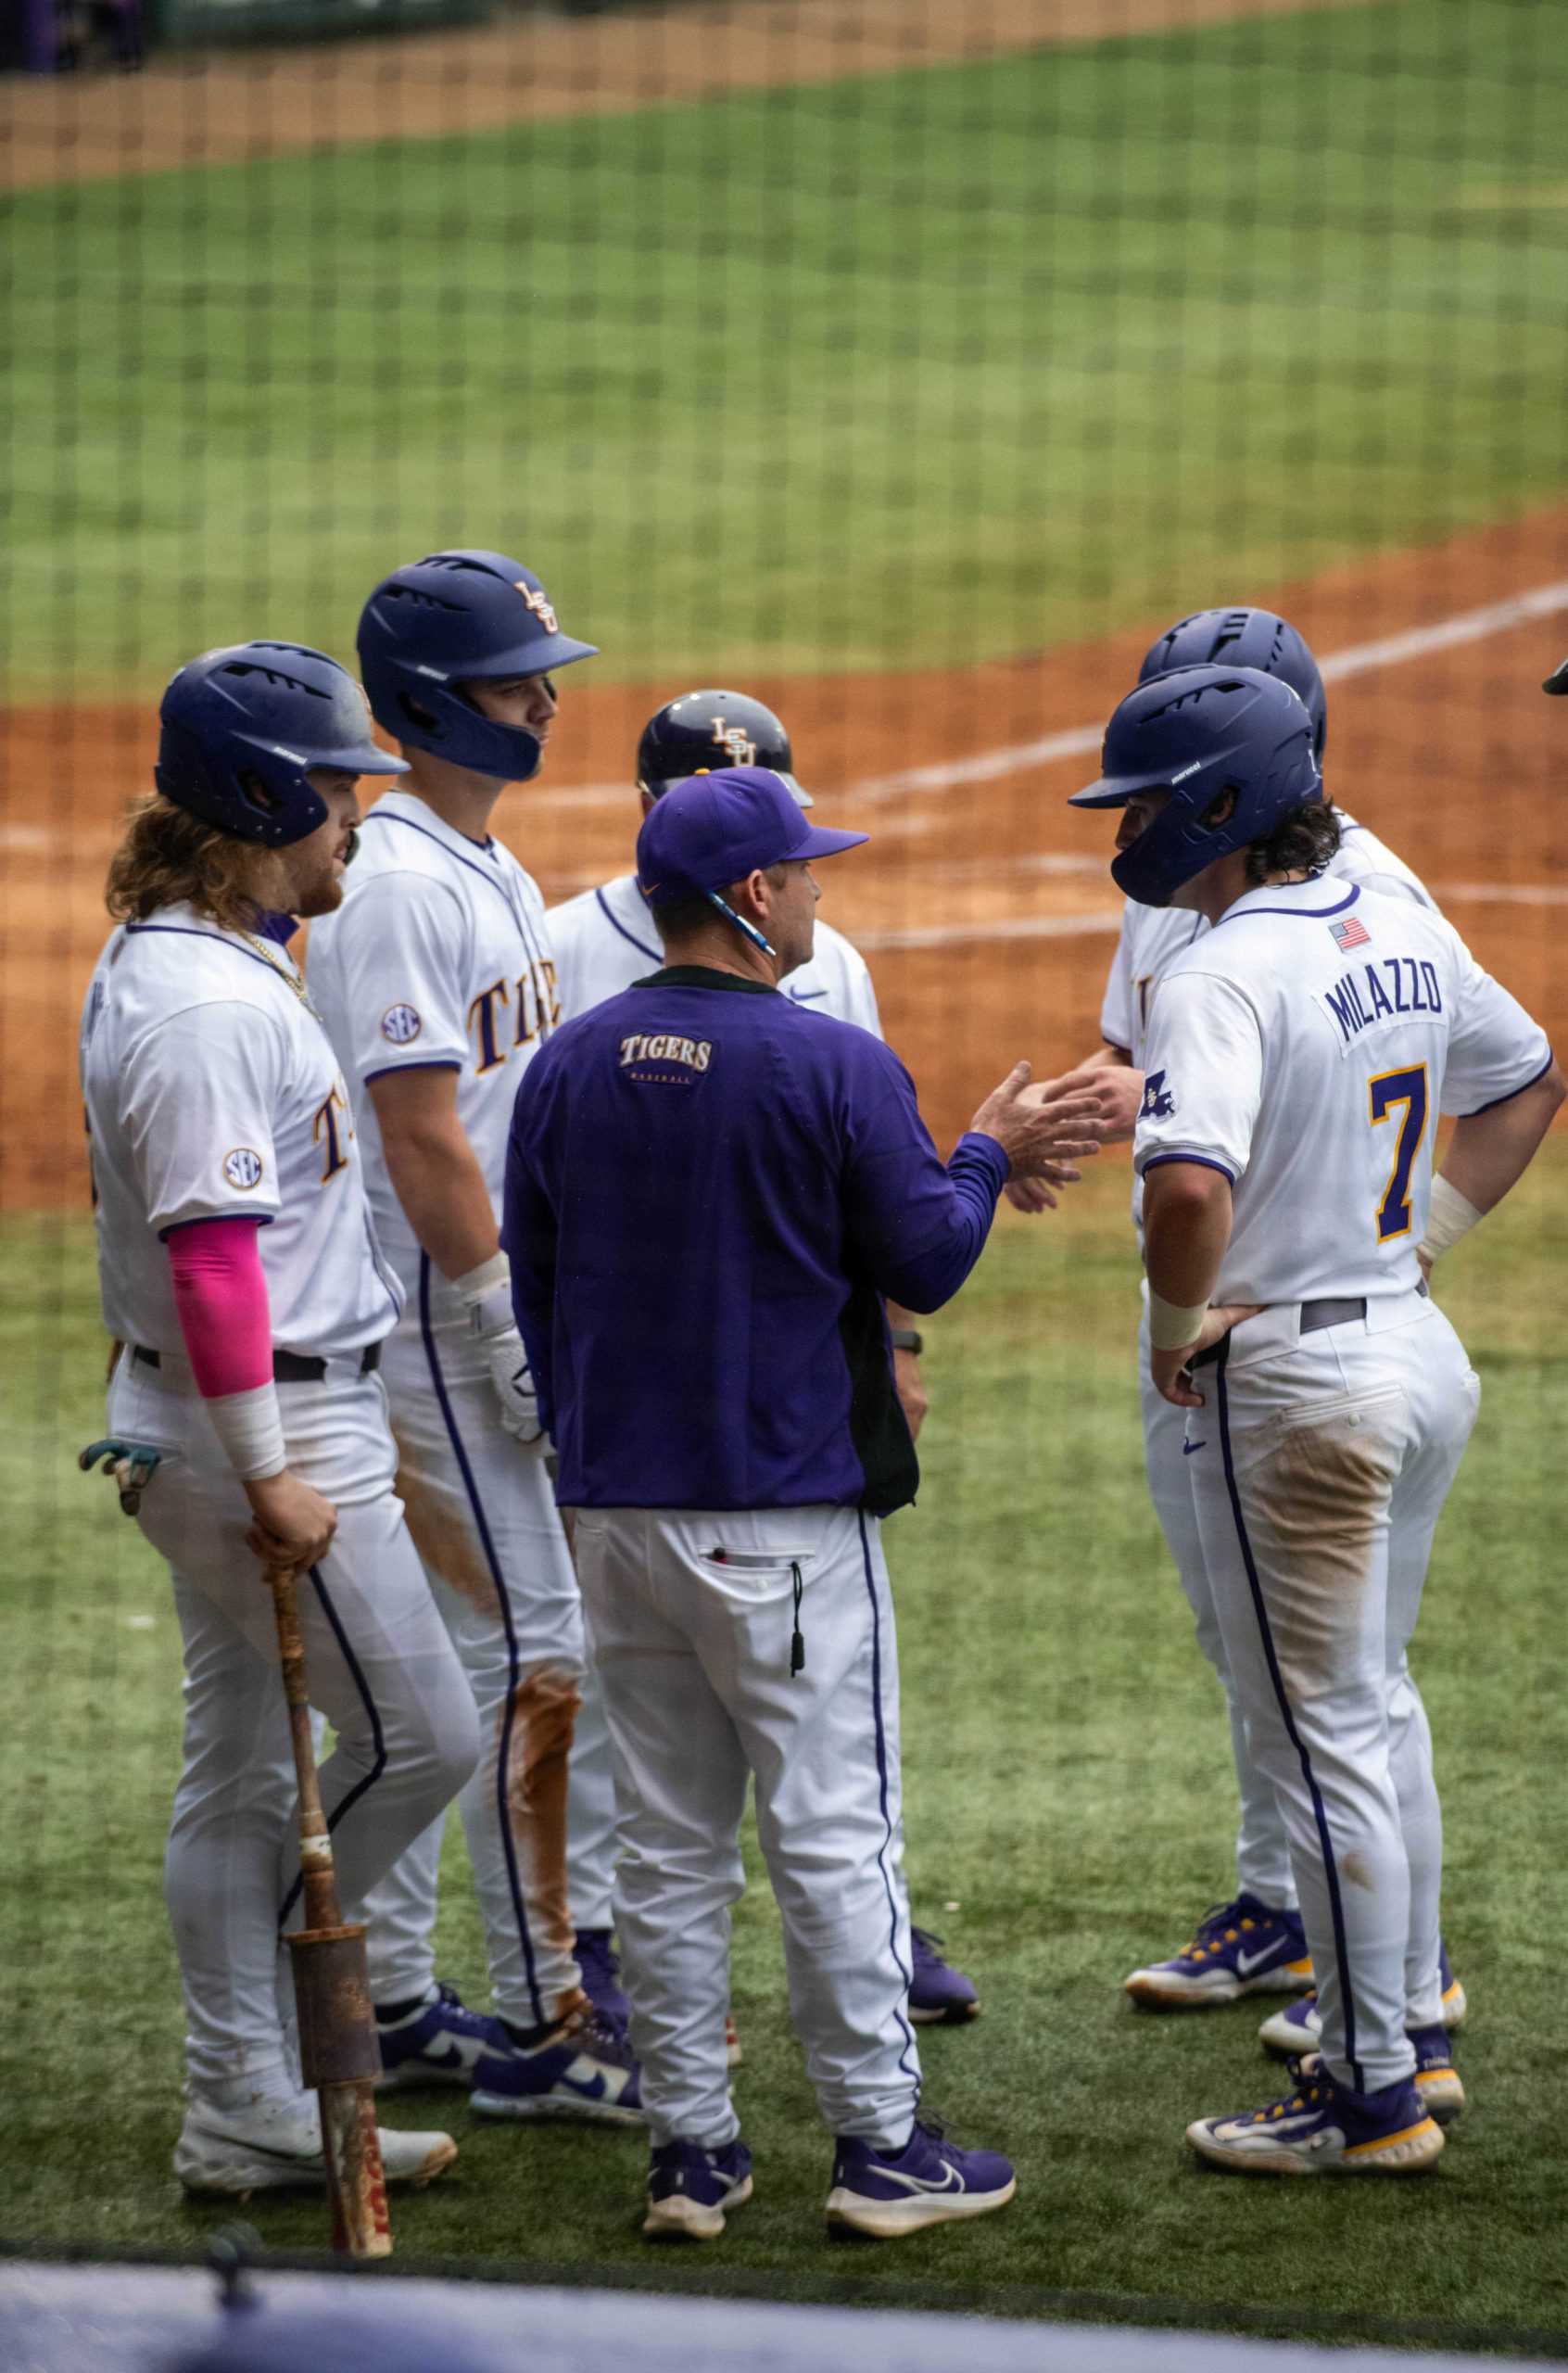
x: 1070, y: 1813
x: 907, y: 370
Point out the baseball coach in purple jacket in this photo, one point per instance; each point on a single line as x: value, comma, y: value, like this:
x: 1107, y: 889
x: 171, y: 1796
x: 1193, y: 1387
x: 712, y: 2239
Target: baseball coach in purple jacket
x: 709, y: 1192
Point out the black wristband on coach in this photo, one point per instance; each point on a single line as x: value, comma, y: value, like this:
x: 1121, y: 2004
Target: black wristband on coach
x: 906, y: 1339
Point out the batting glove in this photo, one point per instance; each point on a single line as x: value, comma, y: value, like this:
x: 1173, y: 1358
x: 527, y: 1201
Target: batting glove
x: 487, y: 1292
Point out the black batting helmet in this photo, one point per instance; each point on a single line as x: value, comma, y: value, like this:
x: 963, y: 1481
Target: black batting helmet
x: 700, y: 732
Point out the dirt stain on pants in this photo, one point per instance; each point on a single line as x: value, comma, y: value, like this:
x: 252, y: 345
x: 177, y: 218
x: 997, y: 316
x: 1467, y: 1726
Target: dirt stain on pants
x: 543, y: 1713
x: 1323, y: 1499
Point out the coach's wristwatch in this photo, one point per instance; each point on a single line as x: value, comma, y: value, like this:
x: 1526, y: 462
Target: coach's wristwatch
x: 906, y: 1339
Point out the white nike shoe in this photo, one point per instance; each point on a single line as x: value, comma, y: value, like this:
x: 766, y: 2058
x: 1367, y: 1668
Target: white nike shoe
x: 272, y: 2146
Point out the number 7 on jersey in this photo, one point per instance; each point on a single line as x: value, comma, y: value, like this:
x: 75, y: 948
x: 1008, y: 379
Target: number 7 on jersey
x: 1386, y: 1091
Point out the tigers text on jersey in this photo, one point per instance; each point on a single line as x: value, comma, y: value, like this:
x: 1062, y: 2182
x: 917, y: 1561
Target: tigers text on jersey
x: 212, y: 1092
x: 438, y: 957
x: 1305, y: 1046
x: 605, y: 940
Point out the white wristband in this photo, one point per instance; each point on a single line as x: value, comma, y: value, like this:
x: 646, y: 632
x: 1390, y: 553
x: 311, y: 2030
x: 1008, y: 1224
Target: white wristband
x: 475, y: 1283
x: 487, y: 1294
x: 1450, y: 1216
x: 250, y: 1426
x: 1173, y: 1327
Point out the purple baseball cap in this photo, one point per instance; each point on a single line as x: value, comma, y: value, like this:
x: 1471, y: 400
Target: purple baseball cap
x: 711, y: 830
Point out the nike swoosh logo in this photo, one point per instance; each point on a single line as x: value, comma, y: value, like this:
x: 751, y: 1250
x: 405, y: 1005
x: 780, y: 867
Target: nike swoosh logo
x: 592, y: 2088
x: 950, y: 2180
x: 1247, y: 1963
x: 461, y: 2052
x: 1188, y: 1448
x: 806, y: 997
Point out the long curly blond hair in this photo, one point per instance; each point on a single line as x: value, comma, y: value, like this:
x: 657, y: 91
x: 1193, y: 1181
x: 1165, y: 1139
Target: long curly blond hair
x: 169, y: 856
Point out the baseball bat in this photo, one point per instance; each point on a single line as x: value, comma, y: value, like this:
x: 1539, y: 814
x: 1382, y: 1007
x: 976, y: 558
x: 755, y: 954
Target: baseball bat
x: 340, y: 2055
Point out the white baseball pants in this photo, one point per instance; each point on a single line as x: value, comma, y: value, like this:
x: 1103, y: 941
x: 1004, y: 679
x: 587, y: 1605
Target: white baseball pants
x: 1318, y: 1465
x: 692, y: 1615
x: 590, y: 1808
x: 381, y: 1669
x: 483, y: 1515
x: 1263, y: 1847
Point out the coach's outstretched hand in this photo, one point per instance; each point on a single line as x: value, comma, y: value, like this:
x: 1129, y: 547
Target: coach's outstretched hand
x: 1117, y: 1092
x: 1045, y: 1134
x: 293, y: 1525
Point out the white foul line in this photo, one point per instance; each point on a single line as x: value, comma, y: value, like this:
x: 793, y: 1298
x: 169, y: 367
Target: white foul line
x: 1418, y: 642
x: 1081, y: 740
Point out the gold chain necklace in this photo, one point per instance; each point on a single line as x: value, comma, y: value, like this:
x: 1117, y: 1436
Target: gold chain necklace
x: 284, y: 972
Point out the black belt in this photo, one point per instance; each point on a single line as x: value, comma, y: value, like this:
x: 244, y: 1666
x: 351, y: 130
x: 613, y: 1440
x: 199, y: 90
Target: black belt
x: 288, y: 1367
x: 1337, y: 1311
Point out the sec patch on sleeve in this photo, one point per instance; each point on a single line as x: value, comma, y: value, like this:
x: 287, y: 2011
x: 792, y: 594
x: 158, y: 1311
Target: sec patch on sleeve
x: 243, y: 1167
x: 400, y: 1025
x: 1158, y: 1103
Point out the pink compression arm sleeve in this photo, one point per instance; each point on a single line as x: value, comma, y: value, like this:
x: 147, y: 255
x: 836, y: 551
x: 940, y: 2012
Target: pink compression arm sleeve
x: 220, y: 1294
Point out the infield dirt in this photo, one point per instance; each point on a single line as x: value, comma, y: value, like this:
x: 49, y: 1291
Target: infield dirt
x: 1456, y: 758
x: 215, y: 107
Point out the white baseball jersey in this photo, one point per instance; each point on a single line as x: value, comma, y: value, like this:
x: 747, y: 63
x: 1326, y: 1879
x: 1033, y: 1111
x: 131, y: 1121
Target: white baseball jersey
x: 605, y: 940
x: 212, y: 1092
x: 437, y: 958
x: 1305, y: 1047
x: 1153, y: 937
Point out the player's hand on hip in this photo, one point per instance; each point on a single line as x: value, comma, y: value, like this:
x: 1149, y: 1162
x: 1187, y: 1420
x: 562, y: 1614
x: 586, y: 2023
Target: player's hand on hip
x: 294, y: 1524
x: 1172, y: 1371
x: 1039, y: 1135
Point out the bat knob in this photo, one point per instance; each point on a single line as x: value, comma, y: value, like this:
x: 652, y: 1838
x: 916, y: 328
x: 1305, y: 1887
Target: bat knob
x: 233, y: 2252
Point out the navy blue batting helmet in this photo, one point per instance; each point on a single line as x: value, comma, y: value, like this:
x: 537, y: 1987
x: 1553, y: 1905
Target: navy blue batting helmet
x: 242, y: 725
x: 1196, y: 733
x: 1245, y: 637
x: 455, y: 618
x: 700, y: 732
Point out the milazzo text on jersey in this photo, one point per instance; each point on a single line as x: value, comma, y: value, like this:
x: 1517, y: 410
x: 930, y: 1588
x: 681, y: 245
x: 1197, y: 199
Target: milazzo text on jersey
x: 1394, y: 984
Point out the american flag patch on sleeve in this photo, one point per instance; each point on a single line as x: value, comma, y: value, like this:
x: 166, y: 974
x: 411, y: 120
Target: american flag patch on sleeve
x: 1351, y: 934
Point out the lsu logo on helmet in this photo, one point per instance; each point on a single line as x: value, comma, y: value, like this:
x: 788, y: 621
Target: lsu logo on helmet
x: 539, y: 602
x: 1158, y: 1103
x: 742, y: 750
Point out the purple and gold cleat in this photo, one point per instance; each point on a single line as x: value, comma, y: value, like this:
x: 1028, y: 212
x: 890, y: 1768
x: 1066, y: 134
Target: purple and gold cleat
x: 1324, y: 2130
x: 1296, y: 2029
x: 1240, y: 1947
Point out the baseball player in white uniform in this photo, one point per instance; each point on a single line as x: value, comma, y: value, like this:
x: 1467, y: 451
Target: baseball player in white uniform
x: 243, y: 1285
x: 438, y: 988
x: 1253, y: 1942
x: 1298, y: 1056
x: 601, y: 941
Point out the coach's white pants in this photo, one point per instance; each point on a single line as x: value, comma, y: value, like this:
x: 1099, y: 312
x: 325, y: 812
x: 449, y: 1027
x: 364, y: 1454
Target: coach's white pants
x: 1263, y: 1847
x: 1319, y: 1469
x: 590, y: 1808
x: 693, y: 1652
x: 481, y: 1509
x: 381, y: 1669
